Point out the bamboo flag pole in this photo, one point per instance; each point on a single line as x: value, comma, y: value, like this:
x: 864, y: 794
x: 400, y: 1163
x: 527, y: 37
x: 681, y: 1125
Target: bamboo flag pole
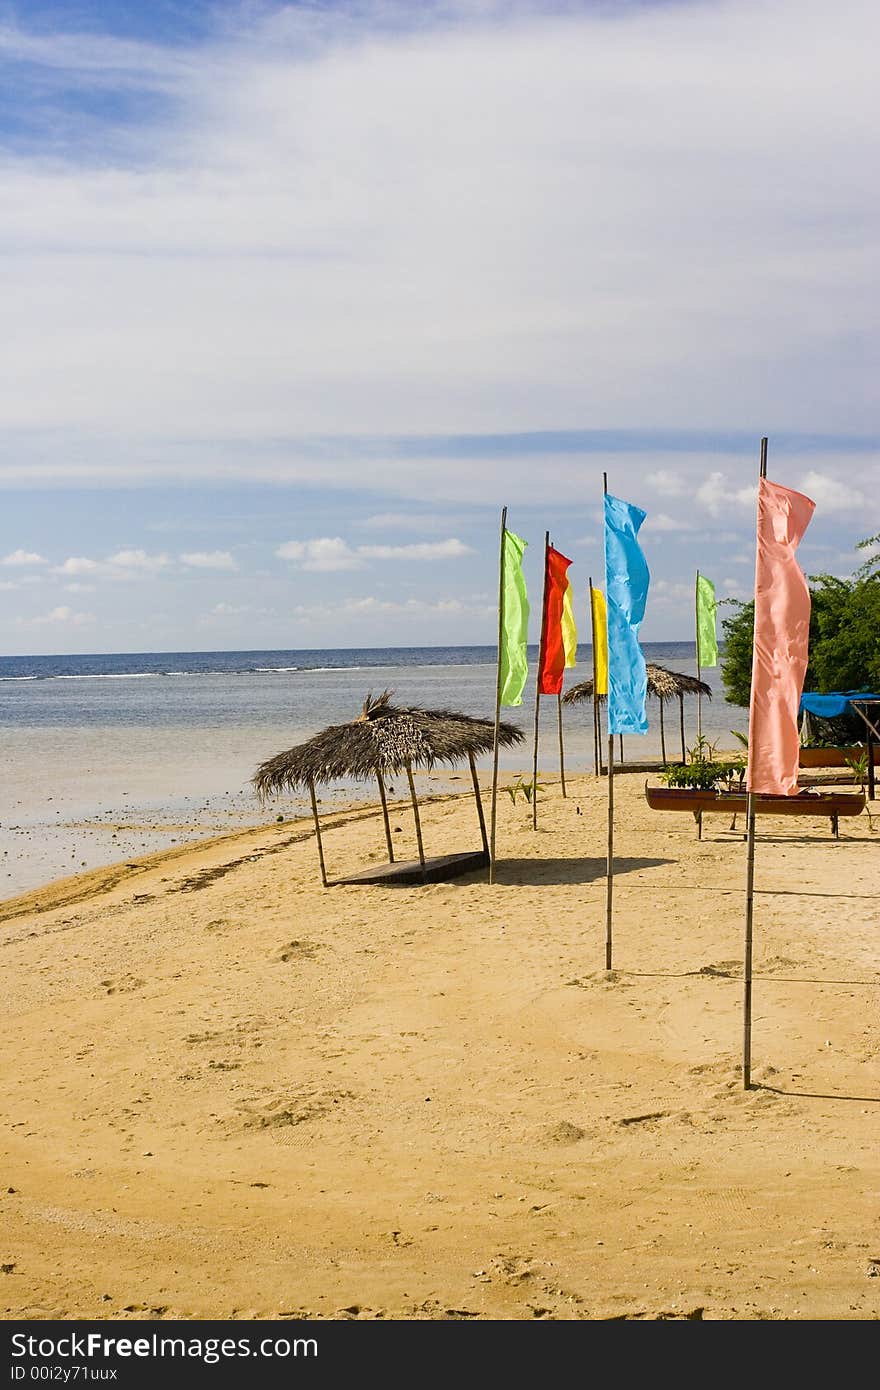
x: 597, y: 762
x: 541, y: 644
x: 492, y: 818
x: 750, y: 899
x: 699, y: 672
x: 609, y: 874
x: 561, y: 743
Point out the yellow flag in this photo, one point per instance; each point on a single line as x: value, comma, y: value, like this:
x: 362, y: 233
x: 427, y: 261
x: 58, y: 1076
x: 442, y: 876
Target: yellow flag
x: 600, y: 642
x: 569, y: 629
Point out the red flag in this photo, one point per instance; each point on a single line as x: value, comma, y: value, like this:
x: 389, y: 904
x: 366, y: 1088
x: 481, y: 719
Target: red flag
x: 553, y: 653
x: 782, y: 630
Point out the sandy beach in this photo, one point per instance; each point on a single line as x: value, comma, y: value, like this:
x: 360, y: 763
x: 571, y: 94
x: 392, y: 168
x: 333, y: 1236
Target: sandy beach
x: 233, y: 1094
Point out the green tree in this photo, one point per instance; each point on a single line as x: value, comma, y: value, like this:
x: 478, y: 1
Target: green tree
x: 844, y: 634
x: 736, y: 664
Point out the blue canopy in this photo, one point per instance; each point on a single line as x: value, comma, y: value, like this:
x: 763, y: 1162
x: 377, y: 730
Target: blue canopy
x: 835, y: 703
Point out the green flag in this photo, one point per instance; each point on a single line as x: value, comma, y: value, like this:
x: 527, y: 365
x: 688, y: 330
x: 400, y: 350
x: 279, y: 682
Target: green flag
x: 512, y: 655
x: 707, y: 642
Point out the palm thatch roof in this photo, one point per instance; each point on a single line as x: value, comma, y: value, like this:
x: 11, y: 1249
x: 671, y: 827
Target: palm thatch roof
x: 663, y: 684
x: 383, y: 739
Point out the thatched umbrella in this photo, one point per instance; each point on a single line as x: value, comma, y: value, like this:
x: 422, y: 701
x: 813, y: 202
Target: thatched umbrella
x: 663, y: 685
x: 385, y: 740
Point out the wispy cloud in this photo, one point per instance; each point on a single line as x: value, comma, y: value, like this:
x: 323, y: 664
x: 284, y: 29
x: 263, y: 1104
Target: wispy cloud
x: 61, y: 616
x: 324, y: 553
x: 23, y: 557
x: 138, y: 560
x: 659, y: 521
x: 718, y: 496
x: 209, y: 560
x: 413, y: 290
x: 833, y: 494
x: 333, y: 553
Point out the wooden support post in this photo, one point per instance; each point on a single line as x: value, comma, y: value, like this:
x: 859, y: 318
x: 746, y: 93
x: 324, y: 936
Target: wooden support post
x: 382, y: 798
x: 318, y: 833
x: 681, y: 713
x: 662, y: 734
x: 415, y: 806
x: 482, y: 819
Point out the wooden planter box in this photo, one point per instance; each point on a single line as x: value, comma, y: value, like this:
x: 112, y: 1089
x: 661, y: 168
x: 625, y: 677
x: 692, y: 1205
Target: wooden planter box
x: 827, y: 757
x: 831, y: 804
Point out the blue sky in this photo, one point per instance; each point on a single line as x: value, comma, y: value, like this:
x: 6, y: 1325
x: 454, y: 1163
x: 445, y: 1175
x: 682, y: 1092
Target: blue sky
x: 296, y: 297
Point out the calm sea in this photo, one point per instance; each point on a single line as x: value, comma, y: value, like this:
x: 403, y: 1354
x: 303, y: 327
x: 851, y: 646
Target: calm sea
x: 108, y: 756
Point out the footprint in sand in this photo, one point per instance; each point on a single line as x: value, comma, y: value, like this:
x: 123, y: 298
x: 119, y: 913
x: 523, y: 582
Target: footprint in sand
x: 121, y: 984
x: 298, y: 950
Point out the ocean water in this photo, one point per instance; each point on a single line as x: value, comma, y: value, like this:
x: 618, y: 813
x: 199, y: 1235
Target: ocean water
x: 109, y: 756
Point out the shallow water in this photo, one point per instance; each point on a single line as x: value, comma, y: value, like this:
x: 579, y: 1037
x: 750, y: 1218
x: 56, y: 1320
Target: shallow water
x: 107, y: 757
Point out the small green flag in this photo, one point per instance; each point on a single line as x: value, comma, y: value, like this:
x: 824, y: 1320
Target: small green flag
x: 707, y: 641
x: 512, y: 654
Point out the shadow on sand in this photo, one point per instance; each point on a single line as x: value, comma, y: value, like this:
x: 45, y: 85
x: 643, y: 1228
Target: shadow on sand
x: 548, y: 871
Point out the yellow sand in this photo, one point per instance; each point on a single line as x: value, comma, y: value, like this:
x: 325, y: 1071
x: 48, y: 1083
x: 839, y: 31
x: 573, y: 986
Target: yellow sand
x: 230, y: 1093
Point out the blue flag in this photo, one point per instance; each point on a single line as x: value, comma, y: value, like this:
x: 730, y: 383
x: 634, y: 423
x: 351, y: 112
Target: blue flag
x: 626, y: 590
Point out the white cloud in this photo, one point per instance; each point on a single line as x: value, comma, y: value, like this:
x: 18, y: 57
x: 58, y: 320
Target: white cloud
x: 666, y: 482
x: 138, y: 560
x: 78, y: 564
x: 662, y: 522
x: 23, y: 557
x: 710, y: 228
x: 322, y: 554
x: 233, y: 610
x: 333, y: 553
x: 831, y: 494
x: 61, y: 616
x: 425, y: 550
x: 717, y: 495
x: 369, y: 604
x: 123, y: 564
x: 209, y: 560
x: 407, y: 521
x: 79, y: 588
x: 734, y: 588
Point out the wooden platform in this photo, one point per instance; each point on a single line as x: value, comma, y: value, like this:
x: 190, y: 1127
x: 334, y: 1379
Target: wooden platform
x: 437, y: 869
x: 829, y: 804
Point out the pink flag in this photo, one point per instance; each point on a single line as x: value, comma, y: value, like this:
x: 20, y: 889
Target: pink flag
x: 782, y: 630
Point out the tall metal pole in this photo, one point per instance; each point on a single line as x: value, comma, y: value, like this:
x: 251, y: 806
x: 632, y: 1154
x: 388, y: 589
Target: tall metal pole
x: 750, y: 894
x: 541, y: 645
x: 492, y: 818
